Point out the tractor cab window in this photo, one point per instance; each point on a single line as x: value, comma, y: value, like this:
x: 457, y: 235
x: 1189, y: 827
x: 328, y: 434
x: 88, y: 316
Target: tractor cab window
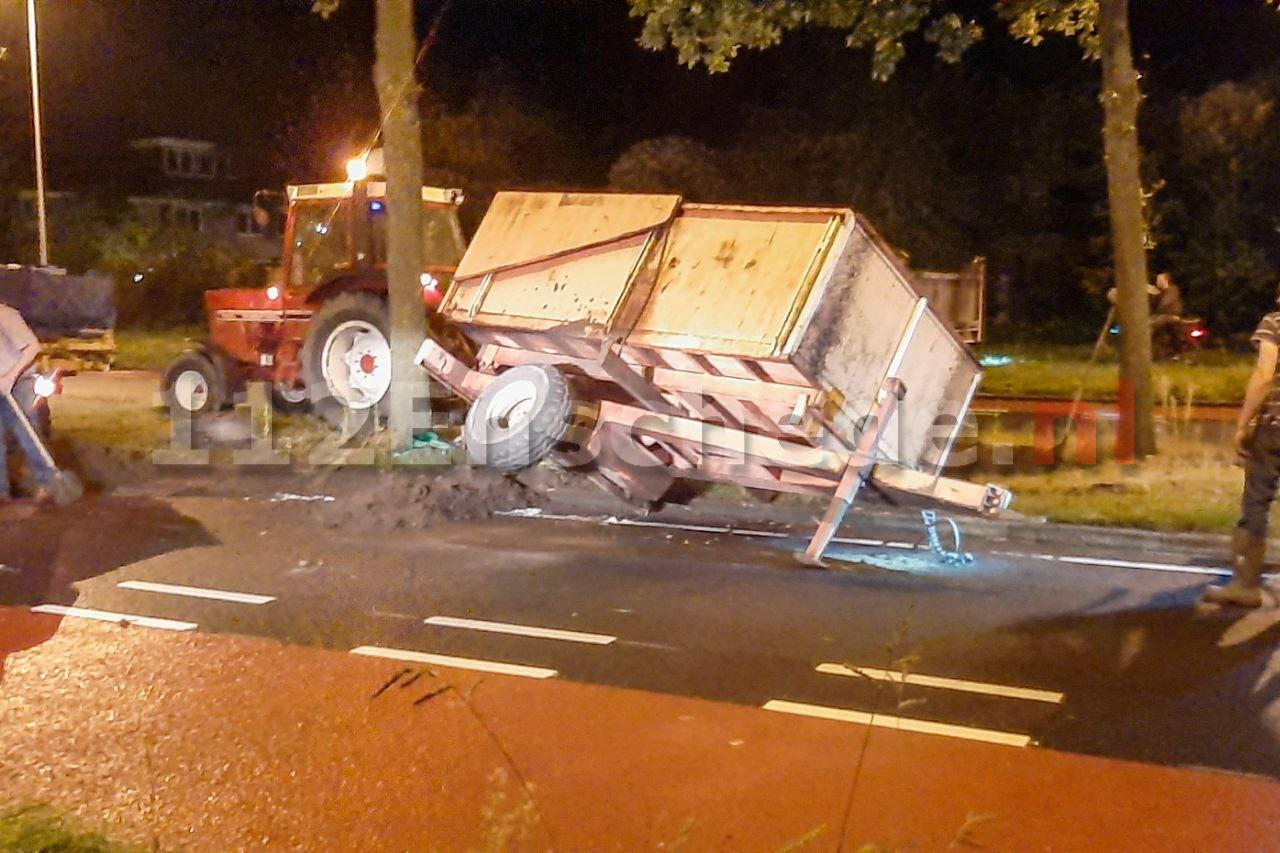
x: 319, y: 242
x: 439, y: 243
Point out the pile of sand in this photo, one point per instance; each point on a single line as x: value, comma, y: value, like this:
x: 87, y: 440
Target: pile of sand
x: 396, y: 500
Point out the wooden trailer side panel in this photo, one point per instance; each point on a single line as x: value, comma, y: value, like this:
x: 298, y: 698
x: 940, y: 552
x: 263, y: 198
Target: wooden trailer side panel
x: 733, y: 281
x: 582, y: 290
x: 869, y: 325
x: 862, y: 313
x: 959, y: 297
x: 939, y: 377
x: 526, y: 227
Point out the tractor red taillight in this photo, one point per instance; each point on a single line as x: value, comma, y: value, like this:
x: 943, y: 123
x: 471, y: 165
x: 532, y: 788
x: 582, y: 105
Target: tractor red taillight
x: 431, y: 295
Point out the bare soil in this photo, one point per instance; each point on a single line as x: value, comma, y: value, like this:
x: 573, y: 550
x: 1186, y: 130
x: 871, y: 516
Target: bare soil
x: 394, y: 500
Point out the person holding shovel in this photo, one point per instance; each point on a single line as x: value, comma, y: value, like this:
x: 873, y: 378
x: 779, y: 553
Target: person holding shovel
x: 1257, y: 441
x: 19, y: 348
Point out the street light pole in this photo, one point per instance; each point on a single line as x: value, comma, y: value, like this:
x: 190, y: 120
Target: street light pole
x: 41, y: 211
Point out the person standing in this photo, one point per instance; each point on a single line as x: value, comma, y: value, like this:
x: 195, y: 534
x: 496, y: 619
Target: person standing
x: 1166, y: 313
x: 19, y: 348
x: 1257, y: 441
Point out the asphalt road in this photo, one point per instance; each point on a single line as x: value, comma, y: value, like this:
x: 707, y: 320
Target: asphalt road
x: 1061, y: 651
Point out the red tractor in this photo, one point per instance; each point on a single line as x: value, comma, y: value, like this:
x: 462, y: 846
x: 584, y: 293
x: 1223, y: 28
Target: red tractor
x: 318, y: 333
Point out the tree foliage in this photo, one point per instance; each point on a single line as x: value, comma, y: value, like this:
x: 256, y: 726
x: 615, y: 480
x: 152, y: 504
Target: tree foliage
x: 713, y: 33
x: 673, y: 164
x: 161, y: 274
x: 496, y: 141
x: 1218, y: 216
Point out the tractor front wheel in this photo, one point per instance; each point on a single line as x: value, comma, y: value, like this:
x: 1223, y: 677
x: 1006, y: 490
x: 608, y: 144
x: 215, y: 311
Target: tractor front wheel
x: 290, y: 399
x: 194, y: 383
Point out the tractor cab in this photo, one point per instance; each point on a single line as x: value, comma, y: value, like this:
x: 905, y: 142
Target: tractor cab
x: 336, y: 239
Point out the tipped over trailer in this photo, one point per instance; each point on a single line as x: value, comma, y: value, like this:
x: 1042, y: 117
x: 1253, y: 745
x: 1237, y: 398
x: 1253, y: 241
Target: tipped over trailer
x: 642, y: 339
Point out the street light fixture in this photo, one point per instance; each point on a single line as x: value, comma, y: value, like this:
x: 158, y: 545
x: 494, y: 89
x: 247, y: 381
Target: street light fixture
x: 41, y: 211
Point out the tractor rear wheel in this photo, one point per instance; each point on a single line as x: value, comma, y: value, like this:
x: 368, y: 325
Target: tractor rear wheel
x: 346, y: 358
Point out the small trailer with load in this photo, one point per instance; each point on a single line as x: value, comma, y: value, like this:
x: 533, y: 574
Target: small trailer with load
x: 74, y: 316
x: 641, y: 339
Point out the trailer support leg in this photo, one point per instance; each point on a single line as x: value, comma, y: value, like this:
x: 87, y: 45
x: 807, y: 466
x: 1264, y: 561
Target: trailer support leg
x: 846, y: 494
x: 857, y: 471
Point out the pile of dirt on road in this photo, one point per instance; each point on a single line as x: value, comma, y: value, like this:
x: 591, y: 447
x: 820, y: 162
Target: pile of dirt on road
x: 399, y: 501
x: 103, y: 466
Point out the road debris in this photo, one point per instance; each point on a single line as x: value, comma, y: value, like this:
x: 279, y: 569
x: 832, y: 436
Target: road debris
x: 954, y: 557
x: 433, y: 694
x: 285, y: 497
x: 398, y: 501
x: 401, y: 673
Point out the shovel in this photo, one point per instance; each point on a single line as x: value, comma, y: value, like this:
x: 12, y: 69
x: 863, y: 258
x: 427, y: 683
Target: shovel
x: 63, y: 487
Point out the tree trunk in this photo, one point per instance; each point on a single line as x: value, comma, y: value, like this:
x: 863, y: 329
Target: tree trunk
x: 394, y: 76
x: 1120, y: 99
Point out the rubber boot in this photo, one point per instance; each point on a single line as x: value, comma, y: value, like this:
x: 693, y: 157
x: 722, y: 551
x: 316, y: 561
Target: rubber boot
x: 1245, y: 587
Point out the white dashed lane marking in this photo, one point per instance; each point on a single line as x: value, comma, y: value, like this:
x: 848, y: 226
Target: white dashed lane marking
x: 522, y: 630
x: 197, y: 592
x: 108, y: 616
x: 961, y: 685
x: 497, y: 667
x: 1156, y: 567
x: 905, y: 724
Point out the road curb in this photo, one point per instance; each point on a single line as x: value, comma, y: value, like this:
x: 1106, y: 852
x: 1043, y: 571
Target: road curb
x: 866, y: 521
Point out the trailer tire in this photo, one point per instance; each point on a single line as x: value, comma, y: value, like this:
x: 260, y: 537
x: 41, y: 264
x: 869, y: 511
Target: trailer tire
x: 520, y: 418
x: 194, y: 383
x: 348, y: 326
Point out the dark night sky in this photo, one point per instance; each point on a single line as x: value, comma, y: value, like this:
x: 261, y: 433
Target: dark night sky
x: 228, y: 69
x: 552, y: 92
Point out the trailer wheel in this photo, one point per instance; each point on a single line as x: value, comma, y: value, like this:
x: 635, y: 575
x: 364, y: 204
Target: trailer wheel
x: 519, y: 418
x: 194, y: 383
x: 346, y: 358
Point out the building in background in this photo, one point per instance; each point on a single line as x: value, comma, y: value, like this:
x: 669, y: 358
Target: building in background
x: 192, y: 184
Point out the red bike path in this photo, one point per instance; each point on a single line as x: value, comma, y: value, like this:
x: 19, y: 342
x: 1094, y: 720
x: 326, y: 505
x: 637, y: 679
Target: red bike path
x: 189, y: 741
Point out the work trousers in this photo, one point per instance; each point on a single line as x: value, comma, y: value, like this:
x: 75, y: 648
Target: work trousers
x: 24, y: 394
x: 1261, y: 473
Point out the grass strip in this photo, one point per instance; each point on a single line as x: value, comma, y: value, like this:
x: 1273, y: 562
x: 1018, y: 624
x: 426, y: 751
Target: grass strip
x: 41, y: 829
